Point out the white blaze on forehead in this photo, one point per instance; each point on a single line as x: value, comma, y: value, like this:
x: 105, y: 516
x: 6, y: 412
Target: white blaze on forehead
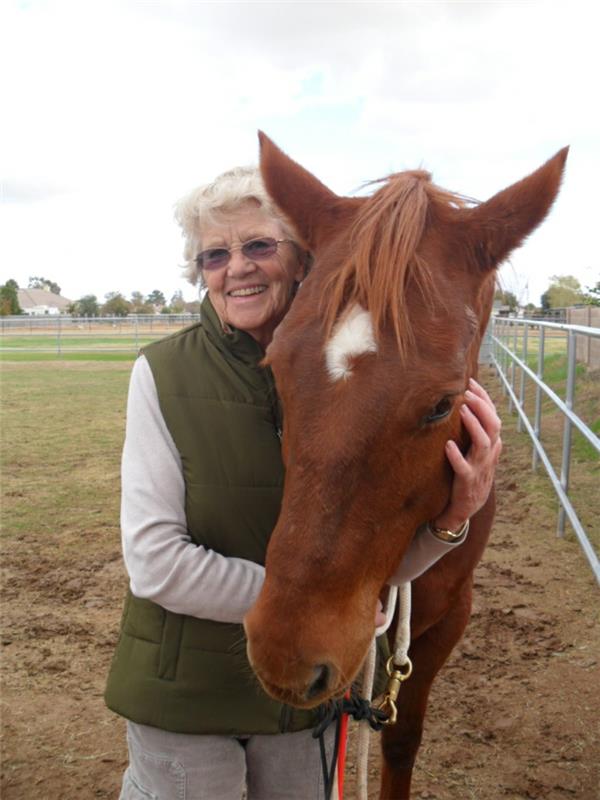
x: 352, y: 336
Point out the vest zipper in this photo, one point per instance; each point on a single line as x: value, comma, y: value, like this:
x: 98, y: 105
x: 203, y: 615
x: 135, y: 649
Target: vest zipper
x: 284, y: 719
x: 274, y: 403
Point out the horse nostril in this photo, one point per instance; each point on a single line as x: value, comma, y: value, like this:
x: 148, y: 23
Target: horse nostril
x: 321, y: 681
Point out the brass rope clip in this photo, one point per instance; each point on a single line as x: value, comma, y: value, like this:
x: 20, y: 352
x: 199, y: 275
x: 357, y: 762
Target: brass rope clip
x: 397, y: 675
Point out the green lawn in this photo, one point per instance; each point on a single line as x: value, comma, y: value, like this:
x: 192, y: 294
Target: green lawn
x: 62, y: 427
x: 73, y: 348
x: 554, y: 343
x: 85, y: 355
x: 90, y: 341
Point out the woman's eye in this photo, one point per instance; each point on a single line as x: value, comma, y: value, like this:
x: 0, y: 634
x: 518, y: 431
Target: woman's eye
x: 213, y: 257
x: 441, y: 410
x: 257, y: 246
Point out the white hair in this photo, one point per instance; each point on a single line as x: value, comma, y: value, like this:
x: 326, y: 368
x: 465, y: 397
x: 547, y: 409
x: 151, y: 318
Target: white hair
x: 206, y: 204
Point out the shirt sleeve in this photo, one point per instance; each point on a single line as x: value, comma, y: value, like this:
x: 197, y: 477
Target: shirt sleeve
x: 163, y: 563
x: 423, y: 552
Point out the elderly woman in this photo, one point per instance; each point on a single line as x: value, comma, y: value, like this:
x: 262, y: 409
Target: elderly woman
x: 201, y: 489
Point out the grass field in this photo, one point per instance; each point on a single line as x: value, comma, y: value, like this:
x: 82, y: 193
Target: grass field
x: 39, y: 341
x: 72, y: 348
x: 62, y: 432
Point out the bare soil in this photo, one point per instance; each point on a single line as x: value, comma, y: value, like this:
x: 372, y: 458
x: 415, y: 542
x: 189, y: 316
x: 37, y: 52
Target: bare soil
x: 514, y: 714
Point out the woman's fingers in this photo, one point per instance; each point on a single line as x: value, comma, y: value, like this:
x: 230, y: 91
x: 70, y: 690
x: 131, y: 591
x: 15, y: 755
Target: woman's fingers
x: 484, y: 409
x: 481, y: 440
x: 483, y: 426
x: 497, y: 450
x: 380, y: 616
x: 474, y: 471
x: 478, y: 389
x: 485, y: 413
x: 458, y: 462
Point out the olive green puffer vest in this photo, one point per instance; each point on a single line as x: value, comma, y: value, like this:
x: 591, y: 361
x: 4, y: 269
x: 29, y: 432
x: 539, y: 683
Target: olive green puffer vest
x: 181, y: 673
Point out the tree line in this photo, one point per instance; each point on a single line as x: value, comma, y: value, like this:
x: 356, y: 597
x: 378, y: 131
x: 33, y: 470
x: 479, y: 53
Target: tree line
x: 115, y: 303
x: 563, y: 291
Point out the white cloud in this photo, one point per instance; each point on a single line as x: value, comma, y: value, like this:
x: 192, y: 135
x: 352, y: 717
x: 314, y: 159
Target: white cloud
x: 116, y: 108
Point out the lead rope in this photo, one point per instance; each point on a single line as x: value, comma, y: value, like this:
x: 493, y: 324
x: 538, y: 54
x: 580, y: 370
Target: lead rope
x: 360, y: 708
x: 398, y: 667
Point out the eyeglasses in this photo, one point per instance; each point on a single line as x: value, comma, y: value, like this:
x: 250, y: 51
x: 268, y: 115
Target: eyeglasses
x: 253, y: 250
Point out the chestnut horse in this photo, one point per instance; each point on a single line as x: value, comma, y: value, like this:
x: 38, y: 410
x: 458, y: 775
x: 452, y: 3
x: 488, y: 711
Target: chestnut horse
x: 371, y: 364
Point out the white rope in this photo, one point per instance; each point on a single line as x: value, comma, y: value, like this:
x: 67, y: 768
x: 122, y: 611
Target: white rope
x: 402, y: 641
x: 389, y: 608
x: 364, y: 730
x: 400, y: 652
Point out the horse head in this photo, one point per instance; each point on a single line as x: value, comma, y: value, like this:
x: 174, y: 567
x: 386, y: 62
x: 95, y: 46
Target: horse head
x: 371, y: 364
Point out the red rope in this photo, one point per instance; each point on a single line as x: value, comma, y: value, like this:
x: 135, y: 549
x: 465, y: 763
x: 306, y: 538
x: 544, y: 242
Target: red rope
x: 341, y: 765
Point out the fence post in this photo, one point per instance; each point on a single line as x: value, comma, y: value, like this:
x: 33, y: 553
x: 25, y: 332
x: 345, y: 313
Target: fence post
x: 522, y: 387
x: 537, y: 427
x: 506, y: 356
x: 502, y: 354
x: 513, y: 366
x: 588, y: 339
x: 566, y: 453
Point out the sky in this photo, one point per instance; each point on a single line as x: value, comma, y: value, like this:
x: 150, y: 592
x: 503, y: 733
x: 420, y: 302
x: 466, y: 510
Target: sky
x: 113, y: 110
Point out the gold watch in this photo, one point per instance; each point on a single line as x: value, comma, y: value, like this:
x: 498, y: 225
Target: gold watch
x: 453, y: 537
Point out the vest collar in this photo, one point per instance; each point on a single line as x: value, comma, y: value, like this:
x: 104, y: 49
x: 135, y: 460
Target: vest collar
x: 230, y: 339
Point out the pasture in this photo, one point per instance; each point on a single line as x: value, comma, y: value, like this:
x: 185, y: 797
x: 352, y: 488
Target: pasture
x: 513, y: 715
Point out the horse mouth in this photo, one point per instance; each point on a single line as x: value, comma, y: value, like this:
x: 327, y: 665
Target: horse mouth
x: 302, y: 698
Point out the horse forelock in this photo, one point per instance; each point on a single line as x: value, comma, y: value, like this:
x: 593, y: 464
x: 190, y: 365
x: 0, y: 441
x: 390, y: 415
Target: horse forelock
x: 383, y: 259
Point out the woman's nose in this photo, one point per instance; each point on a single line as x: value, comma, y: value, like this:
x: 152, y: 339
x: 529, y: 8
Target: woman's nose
x: 239, y: 264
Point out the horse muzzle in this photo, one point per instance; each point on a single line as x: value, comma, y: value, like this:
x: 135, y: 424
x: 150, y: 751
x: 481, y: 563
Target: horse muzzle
x: 298, y: 664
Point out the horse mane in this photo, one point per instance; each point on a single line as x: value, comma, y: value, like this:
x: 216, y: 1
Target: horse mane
x: 383, y: 257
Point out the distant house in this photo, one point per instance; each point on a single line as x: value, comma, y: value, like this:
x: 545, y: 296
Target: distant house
x: 39, y: 302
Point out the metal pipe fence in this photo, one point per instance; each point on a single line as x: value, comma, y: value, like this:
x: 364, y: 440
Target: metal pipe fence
x: 512, y: 354
x: 60, y: 334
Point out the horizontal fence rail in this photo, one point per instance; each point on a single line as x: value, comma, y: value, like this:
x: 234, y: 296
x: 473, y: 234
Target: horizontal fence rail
x: 62, y: 334
x: 505, y: 335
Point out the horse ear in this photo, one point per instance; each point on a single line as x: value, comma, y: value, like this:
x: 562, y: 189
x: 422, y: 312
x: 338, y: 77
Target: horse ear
x: 308, y: 203
x: 501, y: 224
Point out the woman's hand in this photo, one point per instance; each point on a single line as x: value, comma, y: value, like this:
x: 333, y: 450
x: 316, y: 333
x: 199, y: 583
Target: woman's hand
x: 473, y: 473
x: 380, y: 616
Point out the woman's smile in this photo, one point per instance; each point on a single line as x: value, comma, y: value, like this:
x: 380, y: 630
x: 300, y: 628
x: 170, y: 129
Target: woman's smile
x: 246, y: 292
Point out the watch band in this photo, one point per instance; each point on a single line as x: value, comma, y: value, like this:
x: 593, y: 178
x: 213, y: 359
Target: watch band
x: 445, y: 535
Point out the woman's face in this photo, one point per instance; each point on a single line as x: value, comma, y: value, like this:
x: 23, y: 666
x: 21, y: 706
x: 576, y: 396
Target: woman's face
x: 253, y: 296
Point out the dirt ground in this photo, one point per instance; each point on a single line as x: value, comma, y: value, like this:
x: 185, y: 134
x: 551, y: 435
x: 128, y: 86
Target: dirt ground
x: 514, y: 714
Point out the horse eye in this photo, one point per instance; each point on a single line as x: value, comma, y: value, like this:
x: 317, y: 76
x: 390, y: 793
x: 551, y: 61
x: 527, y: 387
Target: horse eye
x: 441, y: 410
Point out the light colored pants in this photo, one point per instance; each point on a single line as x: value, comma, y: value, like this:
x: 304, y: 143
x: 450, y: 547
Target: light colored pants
x: 179, y: 766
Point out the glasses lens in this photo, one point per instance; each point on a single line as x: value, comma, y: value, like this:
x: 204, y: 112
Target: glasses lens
x: 214, y: 258
x: 259, y: 248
